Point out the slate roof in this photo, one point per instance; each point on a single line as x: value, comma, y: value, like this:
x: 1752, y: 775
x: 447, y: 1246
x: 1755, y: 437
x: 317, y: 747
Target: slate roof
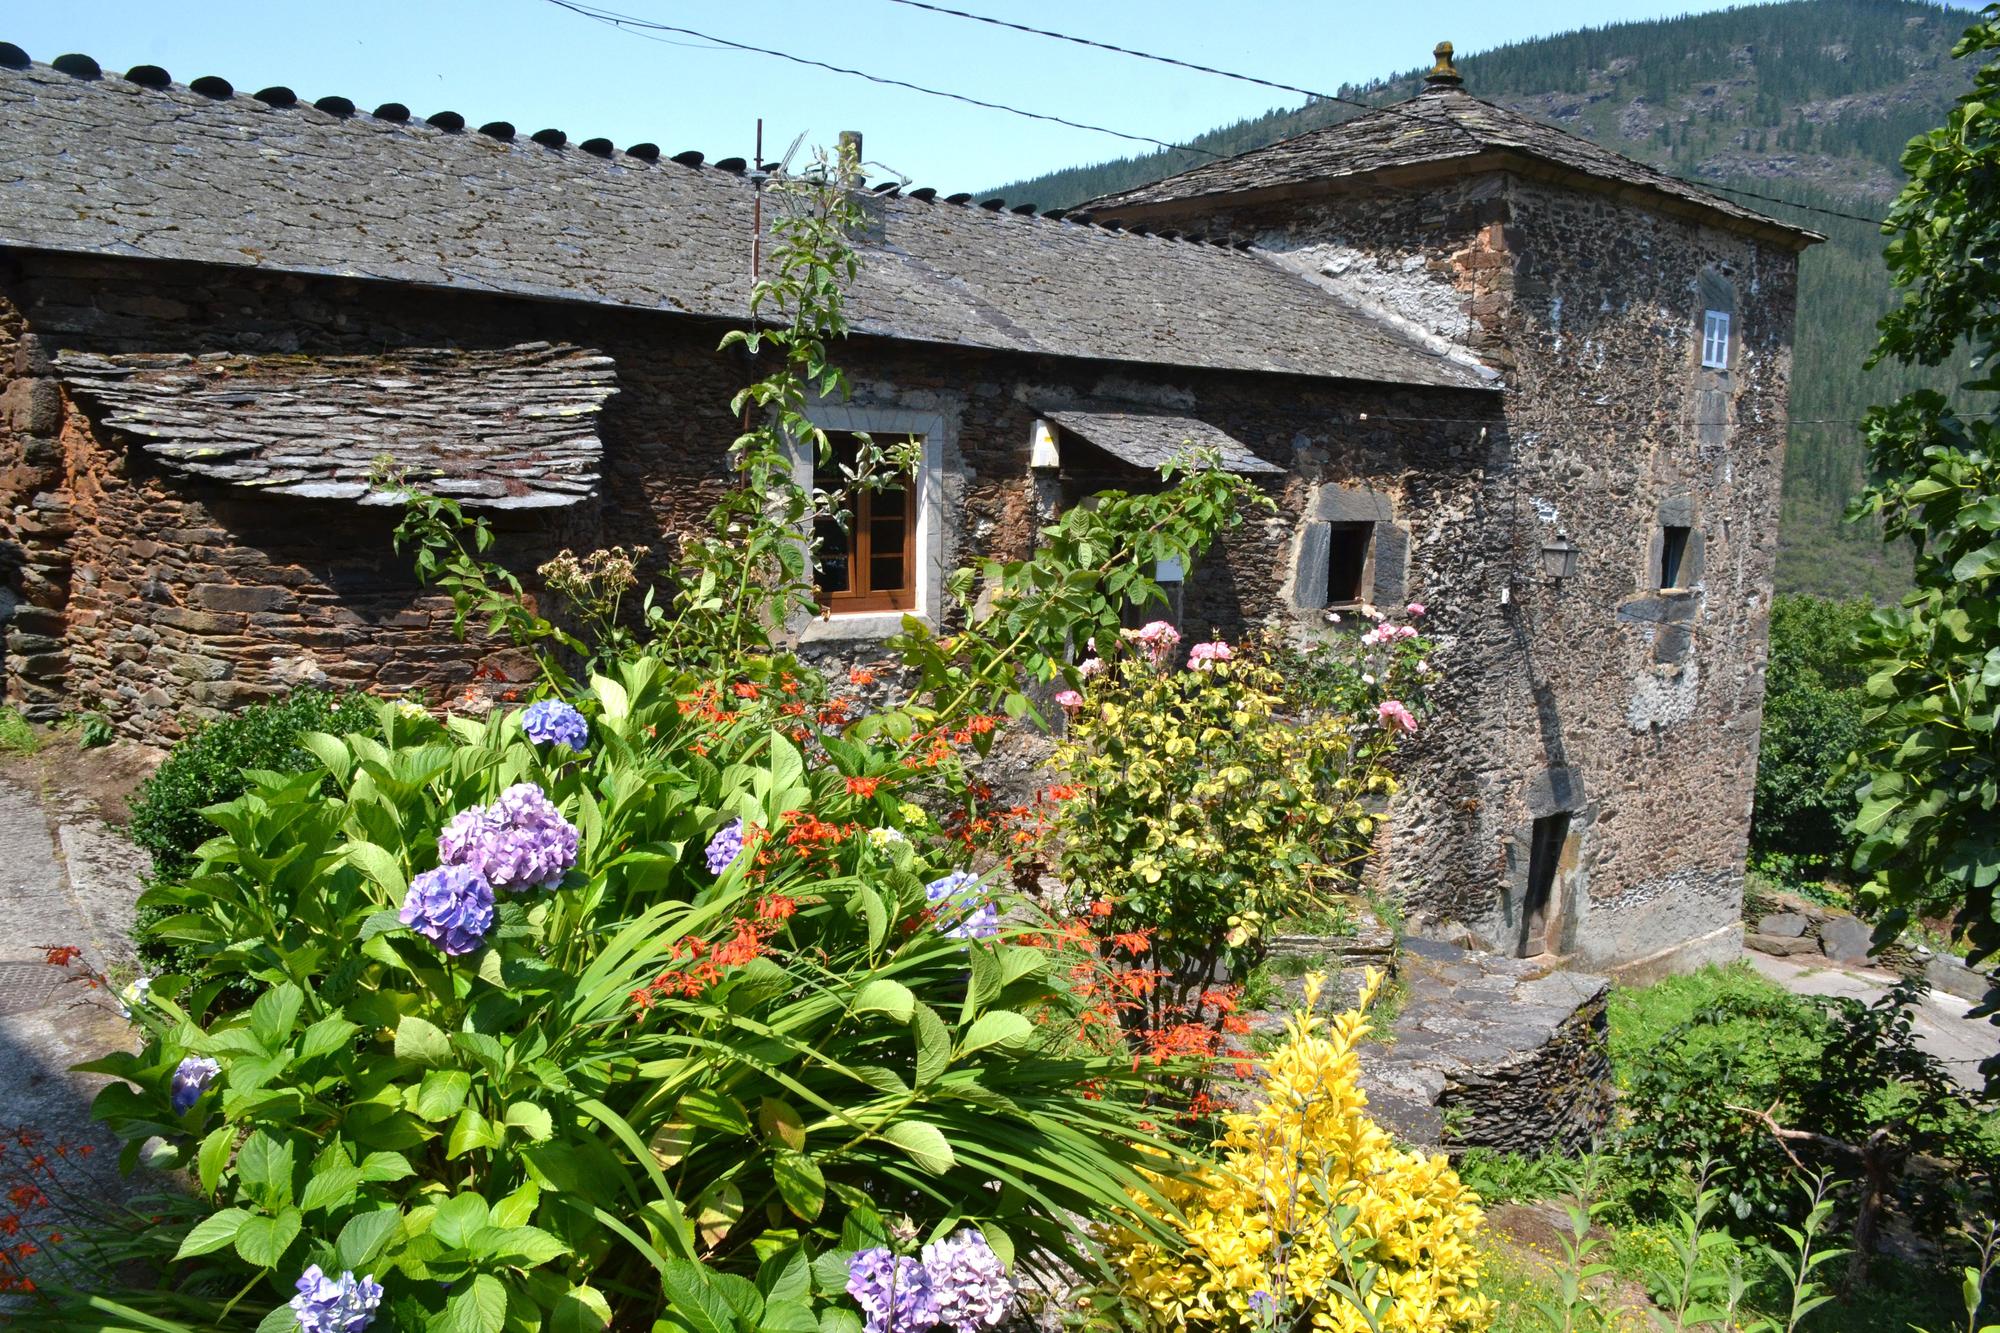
x: 106, y: 165
x: 1437, y: 125
x: 1148, y: 438
x: 507, y: 429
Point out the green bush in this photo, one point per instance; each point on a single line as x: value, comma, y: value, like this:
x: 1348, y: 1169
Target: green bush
x: 1813, y: 697
x: 1699, y: 1057
x: 17, y: 734
x: 212, y: 766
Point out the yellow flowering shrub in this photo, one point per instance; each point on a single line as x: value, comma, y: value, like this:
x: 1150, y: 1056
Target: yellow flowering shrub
x: 1311, y: 1194
x: 1204, y: 802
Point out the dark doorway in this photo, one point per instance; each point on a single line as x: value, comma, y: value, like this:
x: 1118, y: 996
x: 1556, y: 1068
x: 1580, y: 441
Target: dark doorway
x: 1673, y: 555
x: 1347, y: 561
x: 1539, y: 908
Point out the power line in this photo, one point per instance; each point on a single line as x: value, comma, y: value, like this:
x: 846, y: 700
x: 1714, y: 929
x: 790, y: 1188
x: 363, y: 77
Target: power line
x: 1322, y: 96
x: 649, y: 29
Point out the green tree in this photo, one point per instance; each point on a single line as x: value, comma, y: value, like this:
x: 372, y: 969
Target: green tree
x: 1931, y: 769
x: 1813, y: 703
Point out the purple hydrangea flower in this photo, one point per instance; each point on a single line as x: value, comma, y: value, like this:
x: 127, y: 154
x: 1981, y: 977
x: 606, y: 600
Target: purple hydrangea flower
x: 725, y: 847
x: 519, y: 842
x: 191, y: 1078
x: 893, y: 1291
x: 324, y: 1305
x: 968, y: 1282
x: 963, y: 912
x: 551, y: 721
x: 452, y: 905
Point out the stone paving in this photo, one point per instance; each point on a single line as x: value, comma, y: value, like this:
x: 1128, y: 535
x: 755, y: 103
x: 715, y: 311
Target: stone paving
x: 1493, y: 1052
x: 50, y: 1018
x: 1939, y: 1021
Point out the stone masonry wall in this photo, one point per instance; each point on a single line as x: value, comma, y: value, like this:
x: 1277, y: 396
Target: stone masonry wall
x: 160, y: 599
x: 1632, y: 711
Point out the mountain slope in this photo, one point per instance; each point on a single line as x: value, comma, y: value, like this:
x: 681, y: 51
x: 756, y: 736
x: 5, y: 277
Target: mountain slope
x: 1810, y: 101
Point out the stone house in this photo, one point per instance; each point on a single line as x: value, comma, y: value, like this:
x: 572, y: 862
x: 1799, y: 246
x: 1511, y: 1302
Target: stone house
x: 1452, y: 343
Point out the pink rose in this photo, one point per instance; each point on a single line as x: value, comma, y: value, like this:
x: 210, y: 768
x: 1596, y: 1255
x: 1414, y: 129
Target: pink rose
x: 1396, y: 717
x: 1416, y: 610
x: 1204, y: 655
x: 1070, y: 700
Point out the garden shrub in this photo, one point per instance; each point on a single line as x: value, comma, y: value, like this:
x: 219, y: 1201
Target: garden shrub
x: 553, y: 1038
x: 212, y: 765
x: 1813, y: 700
x: 1312, y: 1212
x: 1206, y: 808
x: 1701, y: 1060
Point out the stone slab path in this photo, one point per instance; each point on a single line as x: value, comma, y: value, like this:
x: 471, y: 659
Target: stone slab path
x: 1939, y: 1021
x: 50, y: 1017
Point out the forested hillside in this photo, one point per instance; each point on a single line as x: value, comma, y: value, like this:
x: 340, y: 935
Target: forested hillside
x: 1810, y: 101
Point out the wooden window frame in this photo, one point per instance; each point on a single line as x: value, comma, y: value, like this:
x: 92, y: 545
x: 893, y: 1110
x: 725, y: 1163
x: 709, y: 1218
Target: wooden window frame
x: 859, y: 597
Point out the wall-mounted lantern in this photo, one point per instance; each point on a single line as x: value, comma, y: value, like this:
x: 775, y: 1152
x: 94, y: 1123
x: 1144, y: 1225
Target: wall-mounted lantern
x: 1559, y: 558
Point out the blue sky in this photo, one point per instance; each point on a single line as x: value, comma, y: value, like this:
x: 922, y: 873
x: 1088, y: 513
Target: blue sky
x: 531, y: 63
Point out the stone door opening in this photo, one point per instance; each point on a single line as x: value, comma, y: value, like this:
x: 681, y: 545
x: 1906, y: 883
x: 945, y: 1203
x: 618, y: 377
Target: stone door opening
x: 1541, y: 907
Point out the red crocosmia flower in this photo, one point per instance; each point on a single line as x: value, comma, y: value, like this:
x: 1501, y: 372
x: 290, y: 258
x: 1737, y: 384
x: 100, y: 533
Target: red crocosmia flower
x: 860, y: 676
x: 745, y: 690
x: 1101, y: 908
x: 863, y: 787
x: 62, y: 955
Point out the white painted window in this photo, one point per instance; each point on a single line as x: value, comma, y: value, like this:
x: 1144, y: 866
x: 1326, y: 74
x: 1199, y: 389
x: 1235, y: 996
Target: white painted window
x: 1715, y: 340
x: 905, y: 576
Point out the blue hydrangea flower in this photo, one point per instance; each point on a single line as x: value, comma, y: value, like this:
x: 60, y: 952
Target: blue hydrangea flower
x: 968, y: 1283
x: 325, y: 1305
x: 553, y: 722
x: 191, y: 1078
x: 725, y: 847
x: 519, y: 842
x: 893, y: 1291
x: 963, y: 912
x: 452, y: 905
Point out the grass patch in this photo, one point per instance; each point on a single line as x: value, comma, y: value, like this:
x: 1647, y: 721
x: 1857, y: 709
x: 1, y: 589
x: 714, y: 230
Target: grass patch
x: 17, y: 734
x: 1641, y: 1019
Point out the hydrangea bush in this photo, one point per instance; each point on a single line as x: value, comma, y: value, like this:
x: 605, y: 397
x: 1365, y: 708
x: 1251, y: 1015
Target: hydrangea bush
x: 527, y: 1050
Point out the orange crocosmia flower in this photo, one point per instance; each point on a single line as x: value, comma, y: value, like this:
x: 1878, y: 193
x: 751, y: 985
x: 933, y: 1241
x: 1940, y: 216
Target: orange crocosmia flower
x: 981, y: 724
x: 63, y: 955
x: 861, y: 676
x: 1101, y: 908
x: 776, y: 907
x: 745, y: 690
x: 1134, y: 942
x: 863, y: 787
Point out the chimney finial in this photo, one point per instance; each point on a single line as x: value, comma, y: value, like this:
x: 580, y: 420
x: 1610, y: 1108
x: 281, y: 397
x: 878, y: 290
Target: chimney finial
x: 1443, y: 74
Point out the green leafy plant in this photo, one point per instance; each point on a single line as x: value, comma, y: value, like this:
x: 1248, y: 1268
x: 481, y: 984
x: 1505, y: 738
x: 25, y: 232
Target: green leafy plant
x: 1930, y: 753
x: 1813, y: 703
x: 17, y: 734
x: 648, y: 1088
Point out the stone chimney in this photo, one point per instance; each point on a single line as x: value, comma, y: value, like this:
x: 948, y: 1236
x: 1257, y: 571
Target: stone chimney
x: 850, y: 151
x: 1444, y: 75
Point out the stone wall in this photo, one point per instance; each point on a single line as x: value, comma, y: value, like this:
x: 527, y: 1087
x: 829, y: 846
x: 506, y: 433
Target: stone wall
x: 160, y: 599
x: 1632, y: 711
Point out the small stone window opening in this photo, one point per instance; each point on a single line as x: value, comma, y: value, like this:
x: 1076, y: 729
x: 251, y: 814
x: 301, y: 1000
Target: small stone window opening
x: 1347, y: 561
x: 1673, y: 556
x: 1538, y: 907
x: 871, y: 565
x: 1715, y: 340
